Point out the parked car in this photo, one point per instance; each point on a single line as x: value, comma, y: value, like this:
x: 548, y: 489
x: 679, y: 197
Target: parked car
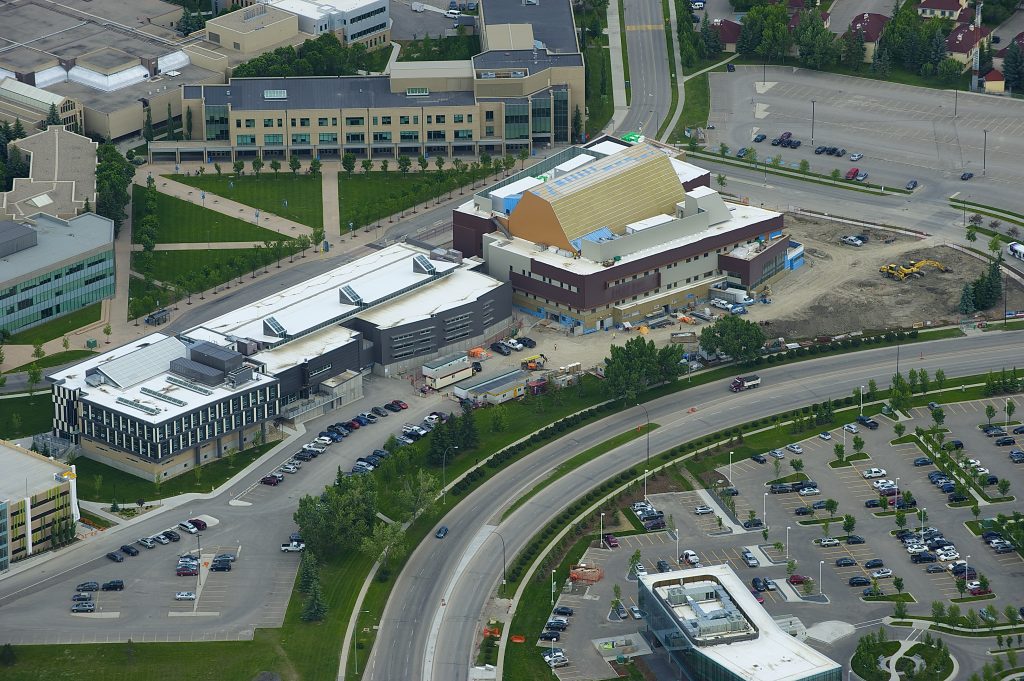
x: 859, y: 581
x: 550, y: 636
x: 198, y: 524
x: 760, y: 137
x: 186, y: 571
x: 912, y: 185
x: 270, y: 480
x: 966, y: 176
x: 759, y: 458
x: 797, y: 579
x: 883, y: 573
x: 185, y: 596
x: 88, y: 586
x: 825, y: 435
x: 116, y: 557
x: 1005, y: 441
x: 500, y: 349
x: 703, y: 510
x: 564, y: 610
x: 845, y: 562
x: 88, y: 606
x: 129, y: 549
x: 113, y: 585
x: 827, y: 542
x: 922, y: 461
x: 804, y: 510
x: 795, y: 448
x: 874, y: 563
x: 188, y: 527
x: 81, y: 597
x: 852, y: 173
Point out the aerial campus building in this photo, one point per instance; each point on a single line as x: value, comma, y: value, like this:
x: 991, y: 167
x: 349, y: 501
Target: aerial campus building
x: 52, y: 260
x: 711, y: 628
x: 616, y: 233
x: 38, y: 503
x: 162, y: 405
x: 520, y: 92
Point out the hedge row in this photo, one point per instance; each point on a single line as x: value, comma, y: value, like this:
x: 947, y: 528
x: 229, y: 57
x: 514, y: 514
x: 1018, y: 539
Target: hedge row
x: 555, y: 430
x: 835, y: 346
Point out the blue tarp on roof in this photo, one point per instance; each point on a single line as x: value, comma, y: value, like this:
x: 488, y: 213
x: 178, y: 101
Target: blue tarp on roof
x: 597, y: 235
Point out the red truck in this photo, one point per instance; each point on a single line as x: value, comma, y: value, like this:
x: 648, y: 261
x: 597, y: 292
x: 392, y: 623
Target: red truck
x: 744, y: 382
x: 611, y: 541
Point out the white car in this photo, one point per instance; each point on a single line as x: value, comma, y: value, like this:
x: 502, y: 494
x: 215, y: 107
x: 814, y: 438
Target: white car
x: 916, y: 548
x: 856, y: 157
x: 639, y: 570
x: 873, y: 473
x: 879, y: 484
x: 288, y: 468
x: 946, y: 556
x: 325, y: 441
x: 825, y: 436
x: 810, y: 491
x: 970, y: 463
x: 777, y: 453
x: 981, y: 470
x: 973, y: 584
x: 881, y: 574
x: 188, y: 527
x: 160, y: 538
x: 795, y: 448
x: 851, y: 428
x: 952, y: 566
x: 689, y: 557
x: 702, y: 510
x: 827, y: 542
x: 185, y: 596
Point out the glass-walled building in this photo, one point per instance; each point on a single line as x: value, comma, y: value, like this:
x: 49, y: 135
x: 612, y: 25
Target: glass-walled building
x: 709, y: 626
x: 53, y: 267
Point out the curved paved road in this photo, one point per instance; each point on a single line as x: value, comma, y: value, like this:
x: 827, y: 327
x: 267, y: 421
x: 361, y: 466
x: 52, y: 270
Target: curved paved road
x: 464, y: 570
x: 644, y: 25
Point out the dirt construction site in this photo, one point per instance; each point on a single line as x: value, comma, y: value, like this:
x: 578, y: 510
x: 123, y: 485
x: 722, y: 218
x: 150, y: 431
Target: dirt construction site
x: 838, y: 290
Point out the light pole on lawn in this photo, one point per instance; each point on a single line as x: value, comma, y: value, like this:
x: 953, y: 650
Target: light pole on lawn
x: 552, y: 587
x: 812, y: 122
x: 355, y: 647
x: 862, y: 400
x: 503, y: 562
x: 444, y: 485
x: 647, y: 414
x: 730, y: 468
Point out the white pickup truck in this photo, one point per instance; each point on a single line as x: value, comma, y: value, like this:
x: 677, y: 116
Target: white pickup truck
x: 292, y: 547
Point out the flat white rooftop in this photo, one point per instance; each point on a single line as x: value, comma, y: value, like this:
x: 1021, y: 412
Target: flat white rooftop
x: 458, y: 288
x: 24, y: 473
x: 318, y: 301
x: 773, y: 656
x: 687, y: 172
x: 320, y: 8
x: 305, y: 348
x: 150, y: 373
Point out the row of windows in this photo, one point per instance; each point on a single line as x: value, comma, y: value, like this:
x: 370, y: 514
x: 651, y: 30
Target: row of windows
x: 367, y: 31
x: 367, y: 15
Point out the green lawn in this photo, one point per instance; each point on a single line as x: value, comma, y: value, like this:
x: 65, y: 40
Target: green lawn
x: 600, y: 106
x: 696, y: 106
x: 185, y: 222
x: 456, y: 47
x: 24, y: 416
x: 366, y: 198
x: 58, y: 327
x: 100, y: 482
x: 268, y: 193
x: 141, y: 289
x: 54, y: 360
x: 168, y: 266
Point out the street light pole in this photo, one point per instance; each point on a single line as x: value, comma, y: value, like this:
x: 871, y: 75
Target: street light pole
x: 984, y: 154
x: 812, y: 122
x: 503, y: 562
x: 648, y: 416
x: 764, y: 511
x: 787, y: 544
x: 730, y: 468
x: 444, y: 484
x: 645, y: 484
x: 821, y: 564
x: 552, y: 587
x: 600, y: 536
x: 862, y: 400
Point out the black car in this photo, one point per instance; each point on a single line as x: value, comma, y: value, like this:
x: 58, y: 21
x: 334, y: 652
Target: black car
x: 925, y: 557
x: 477, y: 367
x: 663, y: 566
x: 874, y: 563
x: 88, y: 586
x: 750, y: 524
x: 113, y: 585
x: 989, y: 480
x: 966, y: 176
x: 379, y: 411
x: 81, y: 598
x: 730, y: 67
x: 872, y: 503
x: 500, y: 349
x: 759, y: 458
x: 555, y: 625
x: 730, y: 492
x: 902, y: 503
x: 563, y: 610
x: 656, y: 524
x: 845, y: 562
x: 819, y: 505
x: 1005, y: 442
x: 820, y: 150
x: 922, y: 461
x: 859, y: 581
x: 940, y: 543
x: 794, y: 144
x: 802, y: 484
x: 130, y: 550
x: 550, y: 636
x: 759, y: 584
x: 991, y: 534
x: 760, y: 137
x: 220, y: 566
x: 782, y: 488
x: 116, y: 557
x: 1019, y: 430
x: 172, y: 535
x: 912, y: 185
x: 855, y: 539
x: 804, y: 510
x: 528, y: 342
x: 956, y: 497
x: 953, y: 444
x: 776, y: 142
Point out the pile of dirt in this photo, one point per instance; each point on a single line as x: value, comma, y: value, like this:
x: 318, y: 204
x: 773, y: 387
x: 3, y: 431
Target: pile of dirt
x: 840, y: 289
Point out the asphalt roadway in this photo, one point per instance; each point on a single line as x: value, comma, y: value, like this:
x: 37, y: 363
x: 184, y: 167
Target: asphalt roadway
x: 649, y: 77
x: 421, y: 638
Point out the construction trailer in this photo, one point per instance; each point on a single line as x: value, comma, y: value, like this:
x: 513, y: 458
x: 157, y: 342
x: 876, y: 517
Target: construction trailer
x: 444, y: 371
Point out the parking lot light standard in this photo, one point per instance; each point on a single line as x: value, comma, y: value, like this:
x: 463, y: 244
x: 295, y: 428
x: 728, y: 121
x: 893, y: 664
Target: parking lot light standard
x: 600, y: 534
x: 862, y: 400
x: 645, y: 484
x: 821, y: 564
x: 444, y: 485
x: 730, y: 468
x: 764, y: 511
x: 648, y: 416
x: 787, y: 543
x: 552, y: 588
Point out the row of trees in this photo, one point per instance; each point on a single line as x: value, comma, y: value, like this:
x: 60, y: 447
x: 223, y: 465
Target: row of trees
x: 917, y: 45
x: 1013, y: 67
x: 983, y: 292
x: 12, y: 163
x: 113, y: 178
x: 457, y: 433
x: 321, y: 56
x: 638, y: 365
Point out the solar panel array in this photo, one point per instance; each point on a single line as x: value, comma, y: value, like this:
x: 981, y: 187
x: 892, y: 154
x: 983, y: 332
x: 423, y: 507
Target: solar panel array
x: 135, y: 404
x: 166, y: 398
x: 188, y: 385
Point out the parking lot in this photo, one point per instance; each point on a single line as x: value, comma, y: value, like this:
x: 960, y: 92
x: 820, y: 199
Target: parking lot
x: 248, y: 519
x: 847, y: 486
x: 904, y: 132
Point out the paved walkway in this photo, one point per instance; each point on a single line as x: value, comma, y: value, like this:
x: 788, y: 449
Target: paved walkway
x: 674, y: 115
x: 618, y: 76
x: 201, y: 246
x: 219, y: 204
x: 329, y: 191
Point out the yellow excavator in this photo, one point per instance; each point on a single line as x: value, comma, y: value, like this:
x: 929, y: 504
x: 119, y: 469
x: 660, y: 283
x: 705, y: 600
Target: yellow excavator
x: 913, y: 268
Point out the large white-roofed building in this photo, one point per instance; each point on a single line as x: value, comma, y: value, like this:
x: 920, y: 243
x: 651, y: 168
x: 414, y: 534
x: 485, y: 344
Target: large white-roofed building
x: 712, y: 629
x: 164, y: 404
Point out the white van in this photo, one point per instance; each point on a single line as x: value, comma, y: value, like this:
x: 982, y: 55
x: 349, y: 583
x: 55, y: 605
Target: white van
x: 452, y: 14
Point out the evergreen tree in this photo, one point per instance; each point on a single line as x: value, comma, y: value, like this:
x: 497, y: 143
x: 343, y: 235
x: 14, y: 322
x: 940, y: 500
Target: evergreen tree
x: 309, y: 571
x: 147, y: 126
x: 853, y: 49
x: 53, y: 116
x: 315, y: 607
x: 1013, y: 67
x: 712, y: 43
x: 995, y: 282
x: 967, y: 300
x: 18, y: 131
x: 469, y: 436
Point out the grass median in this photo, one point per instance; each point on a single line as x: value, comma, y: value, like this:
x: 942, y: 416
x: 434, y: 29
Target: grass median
x: 296, y: 197
x: 54, y: 360
x: 58, y: 327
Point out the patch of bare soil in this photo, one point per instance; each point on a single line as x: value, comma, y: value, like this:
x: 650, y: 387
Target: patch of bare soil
x: 840, y: 289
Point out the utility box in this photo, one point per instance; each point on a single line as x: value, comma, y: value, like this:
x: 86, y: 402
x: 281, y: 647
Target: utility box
x: 91, y: 343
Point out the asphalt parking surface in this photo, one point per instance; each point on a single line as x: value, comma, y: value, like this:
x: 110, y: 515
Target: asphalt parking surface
x: 248, y: 519
x: 848, y: 487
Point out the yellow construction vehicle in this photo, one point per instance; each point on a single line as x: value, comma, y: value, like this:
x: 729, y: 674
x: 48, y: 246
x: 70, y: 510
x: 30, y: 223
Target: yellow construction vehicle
x: 918, y: 265
x: 913, y: 268
x: 892, y: 270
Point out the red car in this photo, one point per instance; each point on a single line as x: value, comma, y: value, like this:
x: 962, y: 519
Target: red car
x: 757, y: 596
x: 796, y: 579
x: 198, y: 524
x: 852, y: 173
x: 978, y: 591
x: 400, y: 403
x: 186, y: 572
x: 270, y: 480
x: 353, y: 424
